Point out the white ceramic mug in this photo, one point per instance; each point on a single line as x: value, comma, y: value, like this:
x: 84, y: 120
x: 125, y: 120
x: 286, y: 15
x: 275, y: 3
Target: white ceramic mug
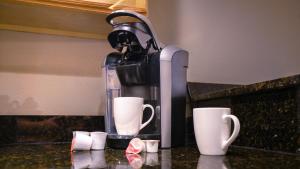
x: 99, y: 140
x: 128, y: 115
x: 212, y: 129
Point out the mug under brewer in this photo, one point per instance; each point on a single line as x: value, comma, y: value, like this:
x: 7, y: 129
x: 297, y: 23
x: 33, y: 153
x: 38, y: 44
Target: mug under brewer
x: 128, y: 115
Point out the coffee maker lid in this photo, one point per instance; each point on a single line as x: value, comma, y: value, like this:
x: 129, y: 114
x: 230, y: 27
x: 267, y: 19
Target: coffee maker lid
x: 143, y: 20
x: 129, y: 33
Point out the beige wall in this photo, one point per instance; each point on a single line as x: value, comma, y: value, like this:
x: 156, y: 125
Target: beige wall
x: 163, y: 15
x: 233, y: 41
x: 45, y: 94
x: 230, y: 41
x: 43, y: 74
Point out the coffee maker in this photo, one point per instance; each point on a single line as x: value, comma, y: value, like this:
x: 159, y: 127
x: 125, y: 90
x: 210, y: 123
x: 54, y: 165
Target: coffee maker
x: 143, y: 67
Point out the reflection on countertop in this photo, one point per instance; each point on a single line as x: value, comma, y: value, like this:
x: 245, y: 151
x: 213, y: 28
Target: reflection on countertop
x: 59, y: 156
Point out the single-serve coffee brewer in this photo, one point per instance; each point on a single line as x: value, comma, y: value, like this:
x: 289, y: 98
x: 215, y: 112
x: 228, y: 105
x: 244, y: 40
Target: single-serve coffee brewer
x: 143, y: 67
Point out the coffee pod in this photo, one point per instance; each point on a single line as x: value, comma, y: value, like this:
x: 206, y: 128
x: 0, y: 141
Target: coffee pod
x: 81, y: 142
x: 135, y: 146
x: 152, y: 146
x: 99, y: 139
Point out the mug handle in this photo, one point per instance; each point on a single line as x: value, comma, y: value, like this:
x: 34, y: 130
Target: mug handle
x: 235, y: 132
x: 152, y: 115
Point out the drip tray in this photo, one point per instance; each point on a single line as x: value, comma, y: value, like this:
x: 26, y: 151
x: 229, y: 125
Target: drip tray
x: 121, y: 141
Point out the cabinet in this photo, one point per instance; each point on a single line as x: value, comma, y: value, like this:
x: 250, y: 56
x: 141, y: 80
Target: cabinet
x: 76, y: 18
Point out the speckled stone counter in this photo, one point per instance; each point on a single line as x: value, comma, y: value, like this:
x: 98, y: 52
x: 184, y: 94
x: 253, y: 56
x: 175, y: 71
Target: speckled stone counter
x: 269, y: 111
x: 235, y: 90
x: 58, y: 156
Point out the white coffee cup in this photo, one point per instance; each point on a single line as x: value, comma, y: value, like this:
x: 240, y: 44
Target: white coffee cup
x: 99, y: 140
x: 128, y: 115
x: 212, y: 129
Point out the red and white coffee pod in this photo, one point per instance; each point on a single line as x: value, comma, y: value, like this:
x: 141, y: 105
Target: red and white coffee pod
x: 135, y: 146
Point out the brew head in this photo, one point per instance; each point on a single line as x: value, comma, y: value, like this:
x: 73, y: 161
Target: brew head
x: 130, y: 37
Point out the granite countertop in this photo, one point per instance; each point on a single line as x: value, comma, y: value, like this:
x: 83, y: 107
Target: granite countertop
x: 59, y: 156
x: 234, y: 90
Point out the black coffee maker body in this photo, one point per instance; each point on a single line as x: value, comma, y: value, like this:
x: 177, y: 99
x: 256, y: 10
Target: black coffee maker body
x: 143, y: 67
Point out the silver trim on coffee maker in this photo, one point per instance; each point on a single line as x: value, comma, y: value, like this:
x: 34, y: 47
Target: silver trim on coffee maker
x: 167, y: 79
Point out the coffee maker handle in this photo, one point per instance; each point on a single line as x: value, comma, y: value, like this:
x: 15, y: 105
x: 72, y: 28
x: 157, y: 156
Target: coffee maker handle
x: 235, y: 132
x: 142, y: 18
x: 152, y: 115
